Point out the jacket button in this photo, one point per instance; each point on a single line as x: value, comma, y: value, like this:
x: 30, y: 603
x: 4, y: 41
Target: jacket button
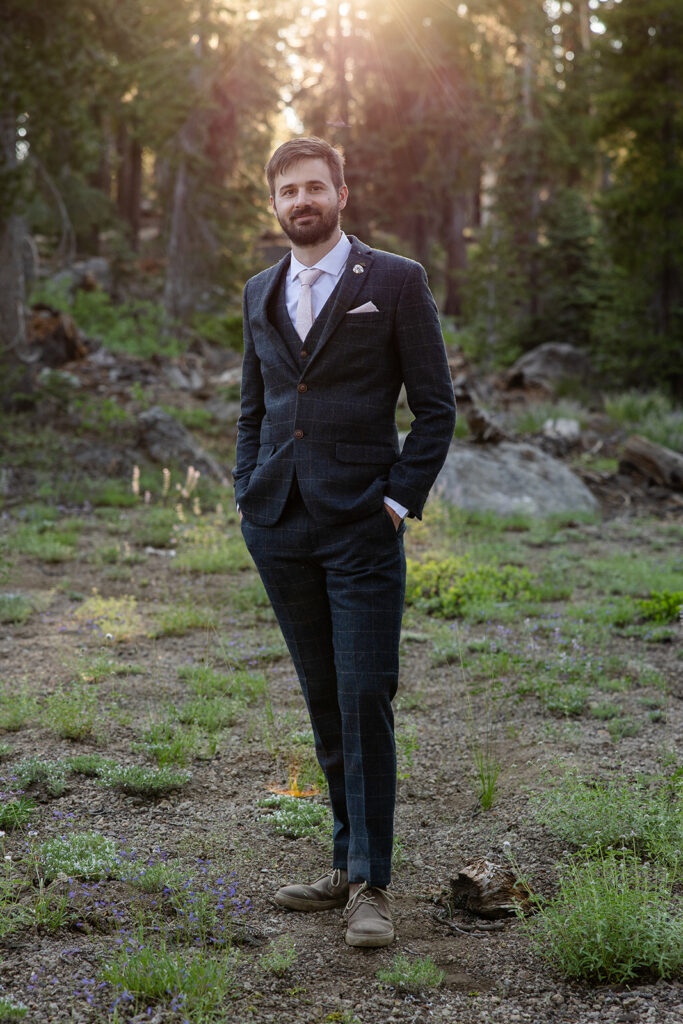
x: 303, y: 353
x: 298, y: 434
x: 302, y: 388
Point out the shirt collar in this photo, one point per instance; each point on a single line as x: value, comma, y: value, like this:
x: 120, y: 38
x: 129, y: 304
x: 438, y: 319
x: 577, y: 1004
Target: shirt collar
x: 332, y: 262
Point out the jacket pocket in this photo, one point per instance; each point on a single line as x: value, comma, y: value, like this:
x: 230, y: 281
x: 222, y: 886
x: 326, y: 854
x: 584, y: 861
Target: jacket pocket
x: 381, y: 454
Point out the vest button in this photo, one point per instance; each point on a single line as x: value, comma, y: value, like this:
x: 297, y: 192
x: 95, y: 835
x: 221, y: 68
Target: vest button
x: 298, y: 434
x: 302, y: 388
x: 303, y: 353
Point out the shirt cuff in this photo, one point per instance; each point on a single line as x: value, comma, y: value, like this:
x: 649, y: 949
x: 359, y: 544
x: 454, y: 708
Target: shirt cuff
x: 400, y: 510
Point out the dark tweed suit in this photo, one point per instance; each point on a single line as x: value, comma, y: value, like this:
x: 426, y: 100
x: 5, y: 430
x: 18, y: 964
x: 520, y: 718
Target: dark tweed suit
x: 317, y: 453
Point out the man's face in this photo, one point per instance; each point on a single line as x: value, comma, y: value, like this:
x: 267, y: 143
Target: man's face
x: 306, y: 203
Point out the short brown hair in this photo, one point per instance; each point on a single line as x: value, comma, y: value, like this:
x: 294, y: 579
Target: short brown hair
x: 303, y: 148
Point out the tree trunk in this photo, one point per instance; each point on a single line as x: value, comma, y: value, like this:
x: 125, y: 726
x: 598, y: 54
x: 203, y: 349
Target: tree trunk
x: 176, y: 300
x: 456, y: 254
x: 129, y: 182
x: 13, y: 375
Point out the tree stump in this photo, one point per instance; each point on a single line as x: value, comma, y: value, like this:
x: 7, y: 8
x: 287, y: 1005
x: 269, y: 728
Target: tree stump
x: 490, y: 890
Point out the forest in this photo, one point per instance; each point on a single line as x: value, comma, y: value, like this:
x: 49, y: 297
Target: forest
x: 527, y: 153
x: 158, y: 772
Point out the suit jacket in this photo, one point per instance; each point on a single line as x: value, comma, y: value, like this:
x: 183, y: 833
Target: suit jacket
x: 330, y: 418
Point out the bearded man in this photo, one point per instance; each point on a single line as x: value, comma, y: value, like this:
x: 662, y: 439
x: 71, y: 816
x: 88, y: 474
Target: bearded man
x: 331, y: 333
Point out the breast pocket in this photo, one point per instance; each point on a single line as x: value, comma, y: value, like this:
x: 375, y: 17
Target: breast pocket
x: 364, y: 319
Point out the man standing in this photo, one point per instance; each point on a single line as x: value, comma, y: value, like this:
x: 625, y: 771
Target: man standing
x: 330, y: 335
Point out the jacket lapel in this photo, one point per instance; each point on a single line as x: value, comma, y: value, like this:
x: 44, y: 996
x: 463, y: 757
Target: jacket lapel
x: 350, y: 284
x: 261, y: 323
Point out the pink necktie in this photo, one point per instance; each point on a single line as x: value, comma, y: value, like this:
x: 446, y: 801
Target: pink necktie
x: 304, y: 311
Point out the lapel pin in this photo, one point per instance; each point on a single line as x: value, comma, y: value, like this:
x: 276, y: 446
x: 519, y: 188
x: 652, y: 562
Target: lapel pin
x: 358, y: 269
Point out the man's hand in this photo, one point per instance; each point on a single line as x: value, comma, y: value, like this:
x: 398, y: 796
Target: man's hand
x: 396, y: 519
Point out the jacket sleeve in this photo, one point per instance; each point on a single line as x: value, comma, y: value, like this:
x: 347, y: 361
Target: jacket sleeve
x: 429, y: 390
x: 252, y: 409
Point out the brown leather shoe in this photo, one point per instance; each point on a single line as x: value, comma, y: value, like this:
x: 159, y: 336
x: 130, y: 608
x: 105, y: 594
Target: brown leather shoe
x: 368, y: 917
x: 330, y: 891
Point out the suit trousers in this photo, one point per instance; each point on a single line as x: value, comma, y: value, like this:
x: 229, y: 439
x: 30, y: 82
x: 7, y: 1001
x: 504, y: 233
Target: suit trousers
x: 337, y: 592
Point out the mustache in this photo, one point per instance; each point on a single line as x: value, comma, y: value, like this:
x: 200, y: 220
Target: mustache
x: 307, y: 212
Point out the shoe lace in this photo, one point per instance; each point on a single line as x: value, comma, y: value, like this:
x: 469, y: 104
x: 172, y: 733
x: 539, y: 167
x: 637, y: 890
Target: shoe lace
x: 365, y: 894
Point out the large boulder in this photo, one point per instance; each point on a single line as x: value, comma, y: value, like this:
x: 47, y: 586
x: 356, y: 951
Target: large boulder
x: 166, y: 440
x: 549, y: 365
x: 510, y: 478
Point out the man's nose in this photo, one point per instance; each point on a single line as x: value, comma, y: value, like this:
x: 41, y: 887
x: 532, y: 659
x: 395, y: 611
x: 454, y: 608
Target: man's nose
x: 301, y: 198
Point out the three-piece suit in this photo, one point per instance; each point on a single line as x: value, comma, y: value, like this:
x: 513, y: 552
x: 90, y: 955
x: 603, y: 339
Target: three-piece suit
x: 317, y: 453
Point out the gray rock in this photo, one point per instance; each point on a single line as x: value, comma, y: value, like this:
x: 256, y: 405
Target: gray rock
x: 511, y: 478
x: 562, y: 429
x: 94, y: 272
x: 548, y: 365
x: 166, y: 440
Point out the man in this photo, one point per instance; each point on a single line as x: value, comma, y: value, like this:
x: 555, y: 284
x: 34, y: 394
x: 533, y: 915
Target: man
x: 330, y: 335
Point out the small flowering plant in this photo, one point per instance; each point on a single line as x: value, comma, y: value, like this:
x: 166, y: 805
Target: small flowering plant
x: 86, y: 855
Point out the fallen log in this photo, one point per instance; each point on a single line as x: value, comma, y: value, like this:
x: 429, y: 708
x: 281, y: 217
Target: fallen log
x: 653, y: 461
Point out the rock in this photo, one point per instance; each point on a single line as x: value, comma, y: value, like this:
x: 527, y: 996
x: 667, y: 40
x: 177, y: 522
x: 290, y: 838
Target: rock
x: 562, y: 429
x: 548, y: 365
x: 86, y: 274
x: 511, y: 478
x: 223, y: 412
x: 484, y: 428
x: 166, y: 440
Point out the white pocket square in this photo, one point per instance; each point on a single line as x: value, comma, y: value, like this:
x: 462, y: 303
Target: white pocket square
x: 367, y: 307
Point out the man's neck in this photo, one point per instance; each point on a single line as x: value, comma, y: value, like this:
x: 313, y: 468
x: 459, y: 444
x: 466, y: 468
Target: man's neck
x: 310, y: 254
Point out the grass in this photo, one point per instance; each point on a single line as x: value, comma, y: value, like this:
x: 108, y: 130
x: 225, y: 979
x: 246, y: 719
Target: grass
x: 179, y: 619
x: 209, y: 713
x: 643, y: 815
x: 17, y: 709
x: 205, y: 681
x: 15, y: 813
x: 12, y: 1009
x: 213, y: 554
x: 87, y: 855
x: 196, y: 985
x: 43, y: 777
x: 117, y: 619
x: 411, y: 976
x: 138, y: 780
x: 612, y: 921
x: 15, y: 608
x: 296, y: 818
x: 280, y: 956
x: 649, y: 413
x: 168, y: 743
x: 602, y: 662
x: 71, y: 714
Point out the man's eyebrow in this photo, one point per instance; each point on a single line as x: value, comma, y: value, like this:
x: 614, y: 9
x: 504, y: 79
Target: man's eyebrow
x: 292, y: 184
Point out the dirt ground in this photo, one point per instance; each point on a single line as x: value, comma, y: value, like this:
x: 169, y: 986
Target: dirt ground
x: 491, y: 975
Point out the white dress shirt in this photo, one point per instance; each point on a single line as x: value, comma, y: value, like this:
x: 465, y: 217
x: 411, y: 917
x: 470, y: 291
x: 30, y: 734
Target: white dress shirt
x: 332, y: 264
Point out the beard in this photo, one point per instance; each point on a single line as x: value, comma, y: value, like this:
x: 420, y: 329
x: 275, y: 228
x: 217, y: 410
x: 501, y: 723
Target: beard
x: 319, y: 229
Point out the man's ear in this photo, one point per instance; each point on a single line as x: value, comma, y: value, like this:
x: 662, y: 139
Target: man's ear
x: 343, y: 196
x: 272, y: 204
